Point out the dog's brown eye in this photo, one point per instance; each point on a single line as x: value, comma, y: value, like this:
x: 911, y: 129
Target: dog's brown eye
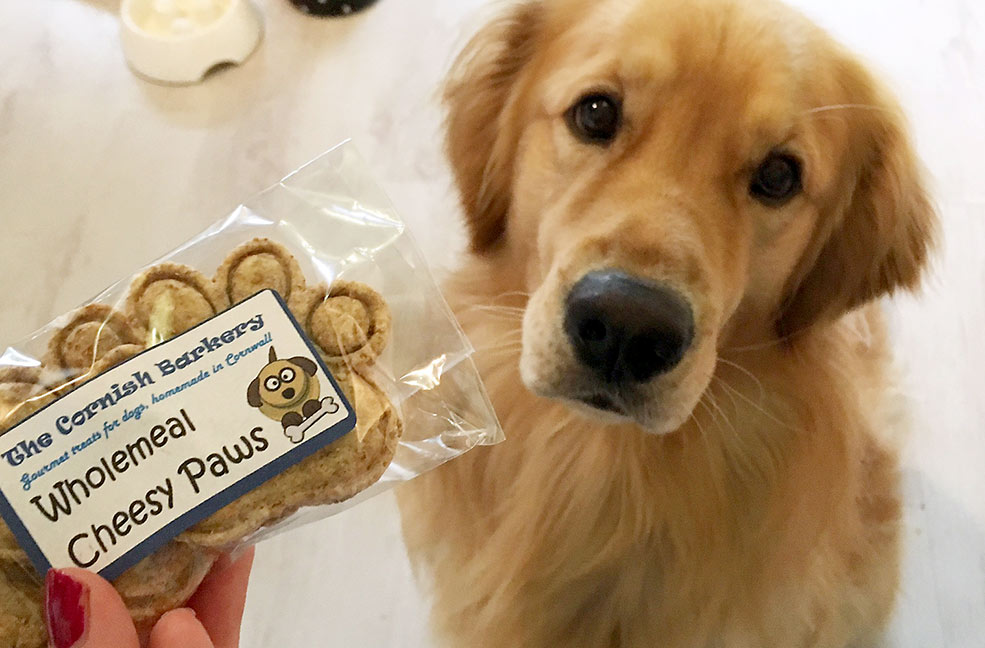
x: 595, y: 118
x: 286, y: 375
x: 777, y: 180
x: 271, y: 384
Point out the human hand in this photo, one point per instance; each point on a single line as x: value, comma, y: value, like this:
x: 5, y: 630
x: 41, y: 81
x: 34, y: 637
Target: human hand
x: 83, y: 610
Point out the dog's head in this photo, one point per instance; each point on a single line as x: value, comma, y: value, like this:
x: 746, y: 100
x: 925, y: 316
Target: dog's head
x: 669, y: 176
x: 282, y: 384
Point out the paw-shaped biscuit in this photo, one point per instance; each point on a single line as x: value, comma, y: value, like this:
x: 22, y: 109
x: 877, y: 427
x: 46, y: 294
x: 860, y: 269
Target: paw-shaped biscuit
x: 25, y: 390
x: 170, y: 298
x: 91, y: 333
x: 95, y: 339
x: 116, y: 356
x: 260, y: 264
x: 111, y: 359
x: 18, y: 385
x: 349, y: 322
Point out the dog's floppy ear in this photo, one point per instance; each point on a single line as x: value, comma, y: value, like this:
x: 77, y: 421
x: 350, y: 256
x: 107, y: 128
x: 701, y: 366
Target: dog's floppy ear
x: 481, y: 137
x: 878, y: 240
x: 253, y: 393
x: 307, y: 365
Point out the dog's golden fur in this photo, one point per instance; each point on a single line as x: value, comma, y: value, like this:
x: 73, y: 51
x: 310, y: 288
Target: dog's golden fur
x: 753, y: 502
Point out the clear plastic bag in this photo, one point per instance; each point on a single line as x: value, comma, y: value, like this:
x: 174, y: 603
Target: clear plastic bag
x: 341, y: 229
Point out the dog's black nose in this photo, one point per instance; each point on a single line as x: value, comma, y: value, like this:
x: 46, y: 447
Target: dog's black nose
x: 627, y: 329
x: 288, y: 393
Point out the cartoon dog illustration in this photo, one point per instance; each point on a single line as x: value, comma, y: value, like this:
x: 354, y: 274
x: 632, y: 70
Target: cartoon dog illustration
x: 286, y: 390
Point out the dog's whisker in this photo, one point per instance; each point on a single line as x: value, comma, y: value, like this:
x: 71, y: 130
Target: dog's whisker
x: 506, y: 342
x: 518, y: 299
x: 719, y: 379
x: 834, y: 107
x: 498, y: 312
x: 715, y: 410
x: 753, y: 347
x: 494, y: 308
x: 720, y: 411
x: 510, y: 293
x: 703, y: 433
x: 513, y: 332
x: 737, y: 448
x: 487, y: 304
x: 783, y: 339
x: 749, y: 374
x: 757, y: 406
x: 514, y: 335
x: 701, y: 428
x: 516, y: 315
x: 499, y: 350
x: 709, y: 453
x: 732, y: 392
x: 742, y: 447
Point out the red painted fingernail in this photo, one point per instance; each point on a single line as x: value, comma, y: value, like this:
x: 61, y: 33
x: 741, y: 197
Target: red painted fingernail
x: 66, y: 606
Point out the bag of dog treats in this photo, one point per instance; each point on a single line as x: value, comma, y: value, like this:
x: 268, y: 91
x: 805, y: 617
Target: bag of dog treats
x: 291, y: 360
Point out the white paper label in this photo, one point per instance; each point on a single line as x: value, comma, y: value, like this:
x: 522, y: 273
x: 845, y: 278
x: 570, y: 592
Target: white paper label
x: 114, y: 469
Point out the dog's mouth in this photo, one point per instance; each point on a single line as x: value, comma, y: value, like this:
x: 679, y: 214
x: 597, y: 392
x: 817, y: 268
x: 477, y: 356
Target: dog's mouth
x: 603, y: 402
x: 288, y: 393
x: 603, y: 406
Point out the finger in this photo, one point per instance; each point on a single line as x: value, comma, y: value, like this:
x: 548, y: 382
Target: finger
x: 83, y: 610
x: 221, y: 597
x: 179, y: 629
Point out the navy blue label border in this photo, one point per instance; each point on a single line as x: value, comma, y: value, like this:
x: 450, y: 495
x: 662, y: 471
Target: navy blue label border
x: 224, y: 497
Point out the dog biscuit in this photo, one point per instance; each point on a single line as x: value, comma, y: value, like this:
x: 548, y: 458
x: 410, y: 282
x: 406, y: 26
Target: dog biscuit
x: 25, y: 390
x: 168, y: 299
x: 93, y: 331
x: 259, y: 265
x: 18, y: 385
x: 349, y: 322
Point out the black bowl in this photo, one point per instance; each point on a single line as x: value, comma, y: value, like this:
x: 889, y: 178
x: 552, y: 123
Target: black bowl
x: 331, y: 7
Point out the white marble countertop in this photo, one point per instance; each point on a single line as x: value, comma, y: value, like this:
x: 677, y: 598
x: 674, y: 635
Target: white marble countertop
x: 101, y: 172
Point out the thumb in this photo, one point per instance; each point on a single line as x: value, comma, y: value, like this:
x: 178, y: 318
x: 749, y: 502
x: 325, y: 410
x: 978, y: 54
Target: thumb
x: 179, y: 629
x: 83, y: 610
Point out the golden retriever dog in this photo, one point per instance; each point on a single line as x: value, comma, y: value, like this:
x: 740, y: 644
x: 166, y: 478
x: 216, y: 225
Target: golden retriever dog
x: 681, y: 214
